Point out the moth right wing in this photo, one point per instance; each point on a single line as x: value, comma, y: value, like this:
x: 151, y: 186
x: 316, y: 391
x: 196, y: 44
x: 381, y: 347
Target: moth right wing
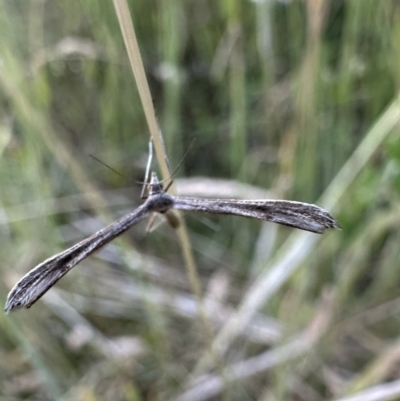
x: 294, y: 214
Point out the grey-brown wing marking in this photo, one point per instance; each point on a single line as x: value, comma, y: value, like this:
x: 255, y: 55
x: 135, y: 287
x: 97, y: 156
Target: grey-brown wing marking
x: 35, y: 283
x: 294, y: 214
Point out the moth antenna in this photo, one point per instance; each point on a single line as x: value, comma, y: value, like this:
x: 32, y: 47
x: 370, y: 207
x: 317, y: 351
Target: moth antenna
x: 145, y: 183
x: 105, y: 165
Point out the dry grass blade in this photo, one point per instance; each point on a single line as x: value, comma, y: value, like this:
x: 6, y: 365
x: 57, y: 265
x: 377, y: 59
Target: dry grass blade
x: 132, y: 47
x: 383, y: 392
x: 211, y: 385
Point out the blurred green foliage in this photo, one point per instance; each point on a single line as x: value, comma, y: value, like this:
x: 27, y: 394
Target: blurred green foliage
x: 278, y: 94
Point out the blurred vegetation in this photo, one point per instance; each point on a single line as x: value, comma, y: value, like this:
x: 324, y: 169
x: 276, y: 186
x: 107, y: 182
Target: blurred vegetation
x: 297, y: 98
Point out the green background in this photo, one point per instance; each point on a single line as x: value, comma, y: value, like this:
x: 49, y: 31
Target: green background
x: 295, y: 98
